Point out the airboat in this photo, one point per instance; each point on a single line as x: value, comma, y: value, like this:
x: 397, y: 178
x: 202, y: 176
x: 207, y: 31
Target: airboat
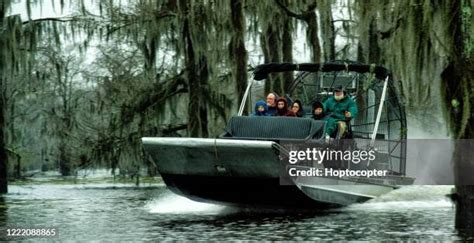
x: 245, y: 166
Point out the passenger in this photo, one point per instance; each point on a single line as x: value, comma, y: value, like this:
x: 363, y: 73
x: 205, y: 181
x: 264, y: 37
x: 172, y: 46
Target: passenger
x: 261, y: 108
x: 318, y: 114
x: 342, y: 109
x: 297, y: 108
x: 282, y: 108
x: 318, y: 110
x: 271, y: 102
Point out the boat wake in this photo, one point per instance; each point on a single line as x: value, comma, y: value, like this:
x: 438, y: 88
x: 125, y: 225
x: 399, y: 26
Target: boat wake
x: 170, y: 203
x: 405, y: 198
x: 409, y: 197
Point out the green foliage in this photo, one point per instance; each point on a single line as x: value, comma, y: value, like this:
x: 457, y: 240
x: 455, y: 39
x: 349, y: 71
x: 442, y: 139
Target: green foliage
x: 468, y: 26
x: 455, y: 103
x: 95, y: 82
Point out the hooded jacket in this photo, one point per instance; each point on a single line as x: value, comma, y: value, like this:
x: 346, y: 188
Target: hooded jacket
x: 284, y: 111
x: 258, y: 113
x: 318, y: 104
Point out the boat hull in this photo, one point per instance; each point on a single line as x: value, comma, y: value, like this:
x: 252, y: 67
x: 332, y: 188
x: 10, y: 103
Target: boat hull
x: 340, y: 191
x: 226, y: 171
x: 248, y: 173
x: 214, y: 157
x: 242, y: 192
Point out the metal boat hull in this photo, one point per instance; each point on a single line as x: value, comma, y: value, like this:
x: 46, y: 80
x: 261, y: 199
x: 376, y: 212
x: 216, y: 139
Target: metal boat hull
x: 339, y: 191
x: 226, y: 171
x: 247, y: 173
x: 242, y: 191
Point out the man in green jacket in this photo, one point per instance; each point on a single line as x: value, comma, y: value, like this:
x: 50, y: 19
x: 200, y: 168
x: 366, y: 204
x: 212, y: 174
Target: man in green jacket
x: 340, y: 109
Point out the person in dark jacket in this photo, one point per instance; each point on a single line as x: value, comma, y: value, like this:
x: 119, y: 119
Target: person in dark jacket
x: 318, y: 114
x: 261, y: 108
x: 318, y: 110
x: 271, y: 102
x: 297, y: 108
x: 282, y: 108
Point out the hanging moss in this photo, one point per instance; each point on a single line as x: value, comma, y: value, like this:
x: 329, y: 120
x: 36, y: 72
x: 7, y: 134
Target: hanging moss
x: 413, y: 42
x: 327, y: 26
x: 144, y: 90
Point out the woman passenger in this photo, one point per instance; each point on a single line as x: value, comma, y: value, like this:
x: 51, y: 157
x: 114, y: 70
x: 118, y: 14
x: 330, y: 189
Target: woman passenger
x: 297, y: 108
x: 282, y: 108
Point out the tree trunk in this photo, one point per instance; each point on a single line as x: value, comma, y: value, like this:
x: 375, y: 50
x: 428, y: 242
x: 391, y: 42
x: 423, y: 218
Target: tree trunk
x: 194, y: 118
x: 308, y: 16
x: 368, y: 48
x: 3, y: 152
x: 360, y: 53
x: 312, y: 36
x: 149, y: 52
x: 203, y: 82
x: 459, y: 86
x: 197, y: 74
x: 328, y: 33
x: 239, y: 53
x: 374, y: 49
x: 64, y: 160
x: 287, y: 49
x: 137, y: 178
x: 274, y: 47
x: 271, y: 43
x: 266, y: 59
x: 18, y: 167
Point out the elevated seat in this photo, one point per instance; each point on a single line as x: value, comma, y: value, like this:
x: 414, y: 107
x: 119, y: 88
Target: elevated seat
x: 274, y: 128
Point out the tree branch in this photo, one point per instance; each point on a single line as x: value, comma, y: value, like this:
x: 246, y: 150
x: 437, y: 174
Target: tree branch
x: 171, y: 129
x: 69, y: 19
x: 288, y: 11
x: 344, y: 20
x: 160, y: 15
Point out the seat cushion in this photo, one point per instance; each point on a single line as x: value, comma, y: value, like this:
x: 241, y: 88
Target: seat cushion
x: 268, y: 127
